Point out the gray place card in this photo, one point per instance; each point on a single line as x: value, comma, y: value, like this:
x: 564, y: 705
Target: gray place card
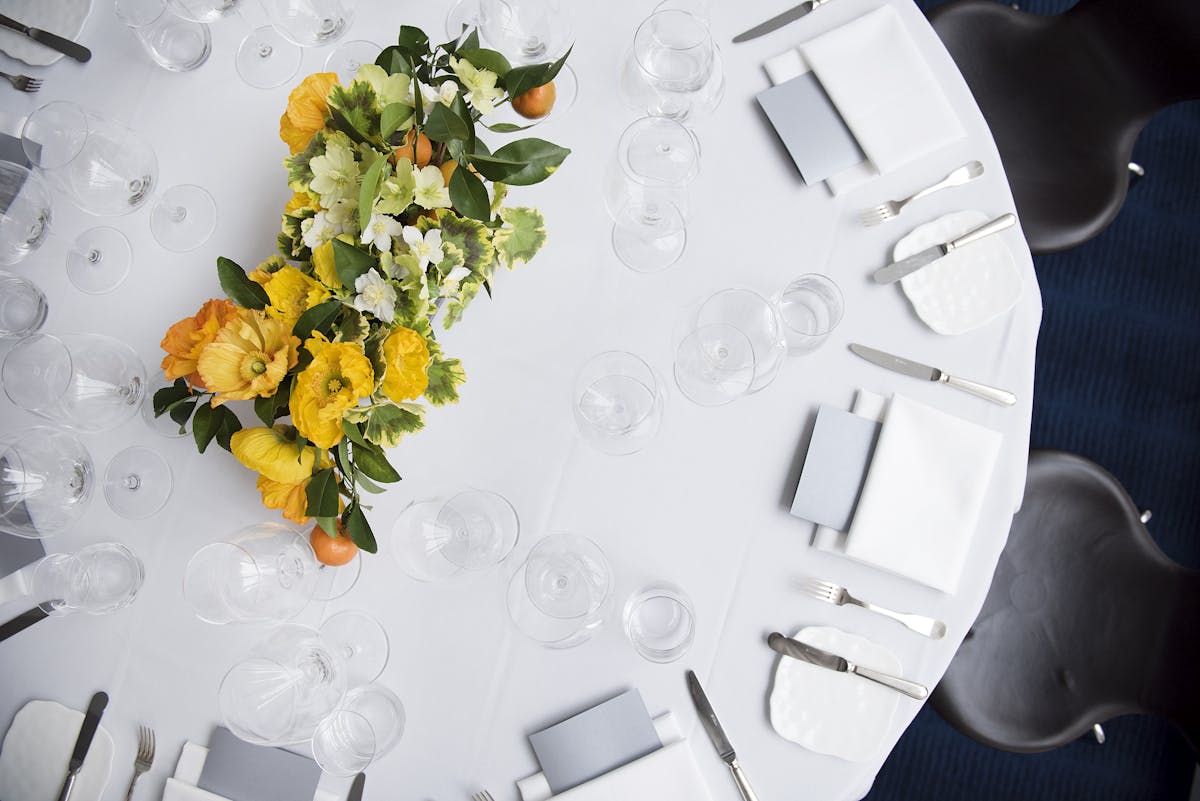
x: 811, y: 128
x: 835, y: 467
x: 240, y: 771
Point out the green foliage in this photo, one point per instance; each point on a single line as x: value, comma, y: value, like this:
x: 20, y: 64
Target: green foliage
x: 445, y: 375
x: 389, y: 422
x: 469, y: 195
x: 522, y: 236
x: 240, y: 289
x: 350, y: 261
x: 322, y: 495
x: 353, y: 111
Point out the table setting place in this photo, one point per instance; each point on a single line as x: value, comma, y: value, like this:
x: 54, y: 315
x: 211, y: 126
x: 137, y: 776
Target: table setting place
x: 751, y: 364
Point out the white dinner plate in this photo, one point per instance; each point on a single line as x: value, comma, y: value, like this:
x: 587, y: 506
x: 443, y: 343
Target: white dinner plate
x: 64, y: 17
x: 37, y: 748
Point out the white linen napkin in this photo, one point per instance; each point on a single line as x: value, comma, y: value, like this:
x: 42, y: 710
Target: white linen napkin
x: 920, y: 504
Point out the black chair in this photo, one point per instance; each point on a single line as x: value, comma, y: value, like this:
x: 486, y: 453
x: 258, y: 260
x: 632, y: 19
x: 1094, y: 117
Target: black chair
x: 1086, y: 619
x: 1067, y: 95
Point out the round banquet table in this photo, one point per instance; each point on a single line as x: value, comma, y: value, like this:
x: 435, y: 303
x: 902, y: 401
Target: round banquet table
x: 704, y: 506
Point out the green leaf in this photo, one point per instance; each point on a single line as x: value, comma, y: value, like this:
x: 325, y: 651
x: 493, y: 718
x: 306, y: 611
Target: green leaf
x: 445, y: 375
x: 394, y: 115
x: 322, y: 495
x: 167, y: 397
x: 353, y: 433
x: 471, y: 42
x: 327, y: 524
x: 367, y: 190
x: 470, y: 196
x: 523, y: 236
x: 413, y: 40
x: 240, y: 289
x: 471, y: 237
x: 495, y: 169
x: 541, y: 159
x: 486, y: 59
x: 350, y: 262
x: 203, y: 429
x: 264, y: 409
x: 225, y: 425
x: 393, y: 60
x: 366, y: 485
x: 374, y: 464
x: 318, y: 318
x: 506, y: 127
x: 353, y: 110
x: 354, y: 327
x: 389, y: 422
x: 359, y: 529
x: 443, y: 125
x: 181, y: 413
x: 521, y: 79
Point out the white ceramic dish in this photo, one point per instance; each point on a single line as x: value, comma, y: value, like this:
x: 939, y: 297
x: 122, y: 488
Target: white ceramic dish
x: 835, y: 713
x: 64, y: 17
x: 37, y: 748
x: 966, y: 288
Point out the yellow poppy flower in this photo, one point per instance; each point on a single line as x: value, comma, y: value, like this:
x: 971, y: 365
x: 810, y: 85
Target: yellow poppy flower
x: 299, y: 202
x: 249, y: 357
x: 272, y: 453
x: 406, y: 356
x: 288, y: 497
x: 185, y: 340
x: 324, y: 266
x: 292, y: 293
x: 306, y: 109
x: 338, y: 376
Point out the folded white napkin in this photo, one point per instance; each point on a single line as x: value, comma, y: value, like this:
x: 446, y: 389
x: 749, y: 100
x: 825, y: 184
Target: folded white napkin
x: 920, y: 504
x: 37, y: 749
x: 179, y: 791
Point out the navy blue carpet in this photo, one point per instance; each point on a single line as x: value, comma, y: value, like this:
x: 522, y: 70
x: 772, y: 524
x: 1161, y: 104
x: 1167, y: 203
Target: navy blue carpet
x: 1117, y: 381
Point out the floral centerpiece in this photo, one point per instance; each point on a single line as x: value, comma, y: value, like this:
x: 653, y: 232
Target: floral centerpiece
x: 398, y: 216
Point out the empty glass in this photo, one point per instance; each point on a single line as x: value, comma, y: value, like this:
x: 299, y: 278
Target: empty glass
x: 618, y: 402
x: 660, y: 622
x: 714, y: 364
x: 646, y: 192
x: 810, y: 308
x: 525, y: 31
x: 46, y: 479
x: 265, y: 59
x: 160, y: 424
x: 368, y: 724
x: 360, y: 642
x: 347, y: 57
x: 438, y: 538
x: 175, y: 44
x: 674, y: 69
x: 137, y: 483
x: 99, y: 579
x: 25, y: 212
x: 310, y: 23
x: 264, y: 573
x: 758, y: 320
x: 85, y: 382
x: 22, y: 307
x: 560, y: 595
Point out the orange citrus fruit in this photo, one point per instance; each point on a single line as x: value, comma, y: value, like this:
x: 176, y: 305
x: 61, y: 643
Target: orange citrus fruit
x: 424, y: 149
x: 535, y: 103
x: 332, y: 551
x: 448, y: 167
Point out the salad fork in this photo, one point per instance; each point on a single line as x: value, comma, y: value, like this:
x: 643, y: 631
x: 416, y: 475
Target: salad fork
x: 890, y: 208
x: 22, y: 83
x: 144, y: 758
x: 838, y: 595
x: 482, y: 795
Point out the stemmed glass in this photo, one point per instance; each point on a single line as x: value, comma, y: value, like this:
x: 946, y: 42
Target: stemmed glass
x: 311, y: 23
x: 173, y: 43
x: 714, y: 364
x: 265, y: 59
x: 674, y: 69
x: 473, y: 530
x: 368, y: 724
x: 99, y: 579
x: 46, y: 480
x: 560, y: 596
x: 23, y: 307
x: 347, y: 57
x: 731, y: 310
x: 137, y: 483
x: 525, y: 31
x: 646, y: 192
x: 618, y: 402
x: 85, y: 382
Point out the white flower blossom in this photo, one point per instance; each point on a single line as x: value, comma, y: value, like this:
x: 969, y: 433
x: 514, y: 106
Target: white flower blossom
x: 431, y: 191
x: 335, y: 174
x: 479, y: 84
x: 427, y: 248
x: 319, y: 229
x: 376, y: 295
x: 380, y: 230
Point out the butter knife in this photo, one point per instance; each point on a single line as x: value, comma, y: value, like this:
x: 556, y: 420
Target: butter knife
x: 22, y: 622
x: 777, y: 22
x: 896, y: 271
x: 712, y: 726
x: 91, y: 722
x: 51, y: 40
x: 821, y: 658
x: 899, y: 364
x: 356, y: 789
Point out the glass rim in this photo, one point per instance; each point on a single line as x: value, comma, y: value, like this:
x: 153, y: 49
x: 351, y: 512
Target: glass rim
x: 676, y: 596
x: 35, y: 158
x: 648, y: 121
x: 658, y: 15
x: 24, y: 342
x: 827, y: 283
x: 565, y: 536
x: 140, y: 21
x: 211, y: 547
x: 507, y: 504
x: 359, y: 760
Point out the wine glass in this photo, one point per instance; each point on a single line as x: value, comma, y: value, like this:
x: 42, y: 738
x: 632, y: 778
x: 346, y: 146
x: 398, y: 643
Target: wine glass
x: 174, y: 43
x: 360, y: 642
x: 23, y: 307
x: 265, y: 59
x: 525, y: 31
x: 99, y: 579
x: 264, y: 573
x: 560, y: 595
x: 673, y: 69
x: 347, y: 57
x: 368, y: 724
x: 618, y: 402
x: 46, y: 479
x: 137, y: 483
x: 85, y: 382
x: 810, y: 308
x: 311, y: 23
x: 473, y: 530
x: 646, y: 192
x: 758, y: 320
x: 714, y: 364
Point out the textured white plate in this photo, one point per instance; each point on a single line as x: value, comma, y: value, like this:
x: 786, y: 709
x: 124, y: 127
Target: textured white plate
x: 37, y: 748
x: 829, y: 712
x: 64, y: 17
x: 966, y: 288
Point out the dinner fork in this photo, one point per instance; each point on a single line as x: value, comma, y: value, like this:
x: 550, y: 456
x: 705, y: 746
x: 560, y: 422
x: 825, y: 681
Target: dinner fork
x: 838, y: 595
x: 22, y: 83
x: 144, y: 758
x: 889, y: 209
x: 482, y: 795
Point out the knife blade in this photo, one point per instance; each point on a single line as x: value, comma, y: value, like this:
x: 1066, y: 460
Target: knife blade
x: 899, y: 364
x: 91, y: 722
x: 356, y: 789
x: 22, y: 622
x: 897, y: 270
x: 51, y: 40
x: 822, y: 658
x: 779, y: 20
x: 716, y: 734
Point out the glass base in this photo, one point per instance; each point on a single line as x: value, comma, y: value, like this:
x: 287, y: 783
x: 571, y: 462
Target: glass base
x: 714, y: 365
x: 99, y: 260
x: 266, y: 60
x: 183, y: 218
x: 648, y: 255
x: 137, y: 483
x: 361, y: 642
x: 464, y: 14
x: 334, y: 582
x: 347, y: 57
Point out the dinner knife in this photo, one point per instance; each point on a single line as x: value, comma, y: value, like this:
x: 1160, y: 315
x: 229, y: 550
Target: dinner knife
x: 51, y: 40
x: 356, y: 789
x: 821, y: 658
x: 712, y: 726
x: 778, y: 21
x: 22, y: 622
x: 898, y: 364
x: 896, y: 271
x: 91, y: 722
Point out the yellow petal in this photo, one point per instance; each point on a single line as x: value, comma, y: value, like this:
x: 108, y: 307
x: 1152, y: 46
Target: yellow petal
x: 271, y: 452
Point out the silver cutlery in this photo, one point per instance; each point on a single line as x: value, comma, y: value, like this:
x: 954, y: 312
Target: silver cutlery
x: 144, y: 758
x: 898, y: 364
x: 891, y: 208
x: 91, y: 722
x: 839, y: 596
x: 51, y: 40
x: 896, y: 271
x: 357, y: 787
x: 482, y: 795
x: 22, y: 622
x: 716, y: 734
x: 22, y: 83
x: 778, y: 21
x: 822, y: 658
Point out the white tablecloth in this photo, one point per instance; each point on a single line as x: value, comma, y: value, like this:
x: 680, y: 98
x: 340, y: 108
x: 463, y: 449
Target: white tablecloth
x: 705, y: 506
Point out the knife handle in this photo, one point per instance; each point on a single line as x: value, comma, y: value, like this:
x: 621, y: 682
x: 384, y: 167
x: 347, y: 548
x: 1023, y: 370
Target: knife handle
x: 68, y: 786
x: 742, y: 784
x: 994, y: 227
x: 995, y: 395
x: 909, y: 688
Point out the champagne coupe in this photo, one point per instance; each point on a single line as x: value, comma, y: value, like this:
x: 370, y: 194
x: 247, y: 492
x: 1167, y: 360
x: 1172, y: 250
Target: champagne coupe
x: 674, y: 69
x: 97, y: 580
x: 46, y: 479
x: 137, y: 483
x: 85, y: 382
x: 646, y: 192
x: 348, y: 57
x: 367, y: 725
x: 757, y: 318
x: 435, y: 539
x: 618, y: 402
x: 23, y: 307
x: 560, y: 596
x: 265, y: 59
x: 311, y: 23
x: 360, y: 642
x: 714, y: 364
